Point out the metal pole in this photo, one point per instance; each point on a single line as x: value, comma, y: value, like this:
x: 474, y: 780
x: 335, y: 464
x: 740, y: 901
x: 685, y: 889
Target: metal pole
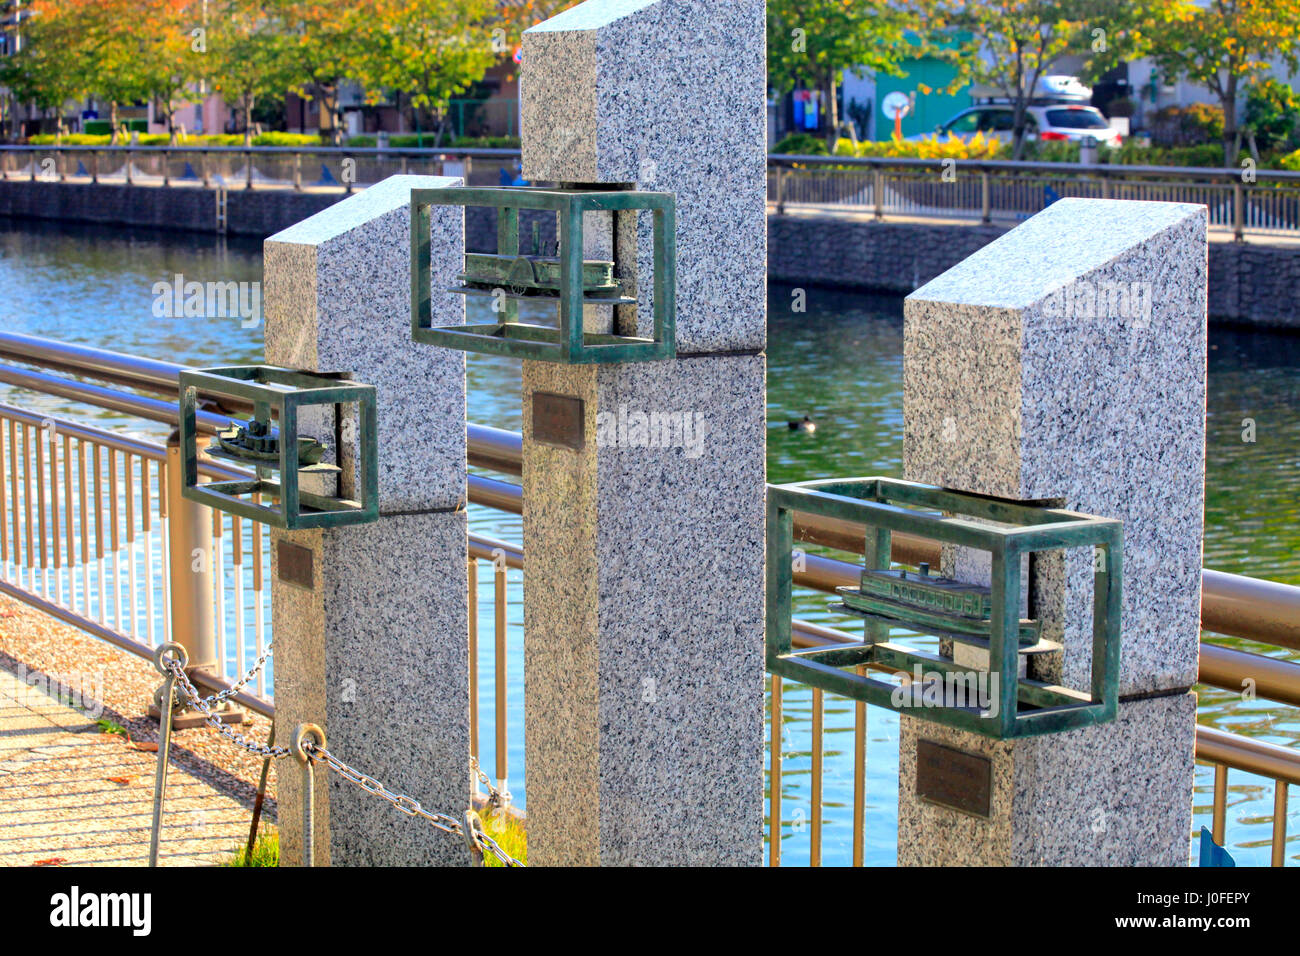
x: 299, y: 750
x: 258, y: 800
x: 1238, y: 211
x: 780, y: 190
x: 878, y: 193
x: 189, y: 543
x: 166, y: 698
x: 986, y: 204
x: 297, y: 172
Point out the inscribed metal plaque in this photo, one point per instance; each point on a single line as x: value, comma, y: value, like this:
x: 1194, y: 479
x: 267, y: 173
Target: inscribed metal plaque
x: 294, y: 565
x: 558, y: 420
x: 954, y: 778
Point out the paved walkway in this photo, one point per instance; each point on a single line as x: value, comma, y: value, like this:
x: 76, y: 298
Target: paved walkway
x: 72, y: 795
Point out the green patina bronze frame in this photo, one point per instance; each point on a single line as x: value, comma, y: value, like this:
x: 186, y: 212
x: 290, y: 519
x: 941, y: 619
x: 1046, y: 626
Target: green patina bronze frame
x: 283, y: 392
x: 567, y: 344
x: 881, y: 505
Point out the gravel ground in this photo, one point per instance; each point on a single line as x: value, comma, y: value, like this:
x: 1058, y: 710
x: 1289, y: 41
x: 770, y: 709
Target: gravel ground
x: 120, y: 686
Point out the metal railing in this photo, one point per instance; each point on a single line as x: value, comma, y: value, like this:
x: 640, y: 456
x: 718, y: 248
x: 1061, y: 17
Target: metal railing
x: 318, y: 168
x: 63, y: 553
x: 1265, y: 201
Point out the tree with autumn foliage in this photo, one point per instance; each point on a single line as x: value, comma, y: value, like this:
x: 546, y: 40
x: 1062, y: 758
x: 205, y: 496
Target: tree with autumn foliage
x: 247, y: 56
x: 53, y: 65
x: 1009, y: 46
x: 812, y: 42
x: 426, y: 50
x: 1224, y: 46
x: 323, y: 43
x: 168, y: 39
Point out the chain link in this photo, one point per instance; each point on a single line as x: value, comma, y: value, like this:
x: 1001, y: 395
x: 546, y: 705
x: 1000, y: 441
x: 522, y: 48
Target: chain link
x: 407, y: 804
x: 190, y: 696
x: 222, y: 696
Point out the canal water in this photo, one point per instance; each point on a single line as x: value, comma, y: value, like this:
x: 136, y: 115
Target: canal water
x: 840, y: 363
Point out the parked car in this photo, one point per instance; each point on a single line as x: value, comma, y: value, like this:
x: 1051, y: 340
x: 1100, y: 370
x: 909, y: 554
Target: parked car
x: 1044, y: 122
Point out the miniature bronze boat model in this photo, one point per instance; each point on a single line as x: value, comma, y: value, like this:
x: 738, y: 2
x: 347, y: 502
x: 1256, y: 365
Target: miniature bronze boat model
x: 258, y: 443
x: 534, y: 274
x: 928, y: 603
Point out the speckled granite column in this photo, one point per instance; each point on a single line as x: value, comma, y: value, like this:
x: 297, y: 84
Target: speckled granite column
x: 1065, y: 362
x: 643, y: 587
x: 376, y: 651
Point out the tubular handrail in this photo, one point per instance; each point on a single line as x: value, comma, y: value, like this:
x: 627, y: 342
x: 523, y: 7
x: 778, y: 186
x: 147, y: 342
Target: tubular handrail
x: 473, y: 152
x: 1226, y: 175
x: 1231, y: 604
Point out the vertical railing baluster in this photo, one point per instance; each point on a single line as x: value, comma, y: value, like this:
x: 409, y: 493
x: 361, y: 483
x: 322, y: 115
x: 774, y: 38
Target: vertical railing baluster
x: 237, y: 554
x: 70, y: 535
x: 774, y: 779
x: 28, y: 557
x: 473, y: 662
x: 500, y: 635
x: 1280, y: 788
x: 128, y: 474
x: 218, y: 558
x: 4, y: 504
x: 818, y: 727
x: 84, y: 525
x: 53, y: 449
x: 99, y: 528
x: 146, y: 527
x: 115, y: 539
x: 259, y: 607
x: 38, y: 433
x: 1217, y: 827
x: 859, y: 776
x: 164, y: 541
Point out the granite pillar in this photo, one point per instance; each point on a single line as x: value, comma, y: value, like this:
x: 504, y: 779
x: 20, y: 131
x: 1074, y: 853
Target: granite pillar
x: 1065, y: 363
x: 643, y: 589
x: 376, y: 649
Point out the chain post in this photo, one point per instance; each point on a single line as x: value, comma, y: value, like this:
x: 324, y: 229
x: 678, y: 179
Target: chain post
x: 304, y: 751
x: 165, y: 699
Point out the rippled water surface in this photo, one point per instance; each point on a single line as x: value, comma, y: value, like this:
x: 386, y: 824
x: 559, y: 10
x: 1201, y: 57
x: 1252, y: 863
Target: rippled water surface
x: 839, y: 362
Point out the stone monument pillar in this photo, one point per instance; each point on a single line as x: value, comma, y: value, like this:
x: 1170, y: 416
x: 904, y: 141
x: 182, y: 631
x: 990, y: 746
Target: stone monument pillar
x: 371, y: 621
x: 1065, y: 363
x: 643, y: 589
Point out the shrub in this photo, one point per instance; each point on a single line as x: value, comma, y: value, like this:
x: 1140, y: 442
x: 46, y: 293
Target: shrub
x: 1193, y: 125
x: 487, y: 142
x: 801, y: 144
x: 285, y: 139
x: 1132, y: 154
x: 930, y: 147
x: 1273, y: 112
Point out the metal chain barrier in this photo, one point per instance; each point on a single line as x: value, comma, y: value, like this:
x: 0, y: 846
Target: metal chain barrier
x: 309, y: 747
x: 222, y: 696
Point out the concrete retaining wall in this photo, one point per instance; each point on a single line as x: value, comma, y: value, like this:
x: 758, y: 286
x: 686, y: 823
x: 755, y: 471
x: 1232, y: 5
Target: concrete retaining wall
x: 1253, y: 283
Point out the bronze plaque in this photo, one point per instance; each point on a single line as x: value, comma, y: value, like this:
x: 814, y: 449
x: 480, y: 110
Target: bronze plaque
x: 294, y: 565
x: 557, y: 420
x: 954, y: 778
